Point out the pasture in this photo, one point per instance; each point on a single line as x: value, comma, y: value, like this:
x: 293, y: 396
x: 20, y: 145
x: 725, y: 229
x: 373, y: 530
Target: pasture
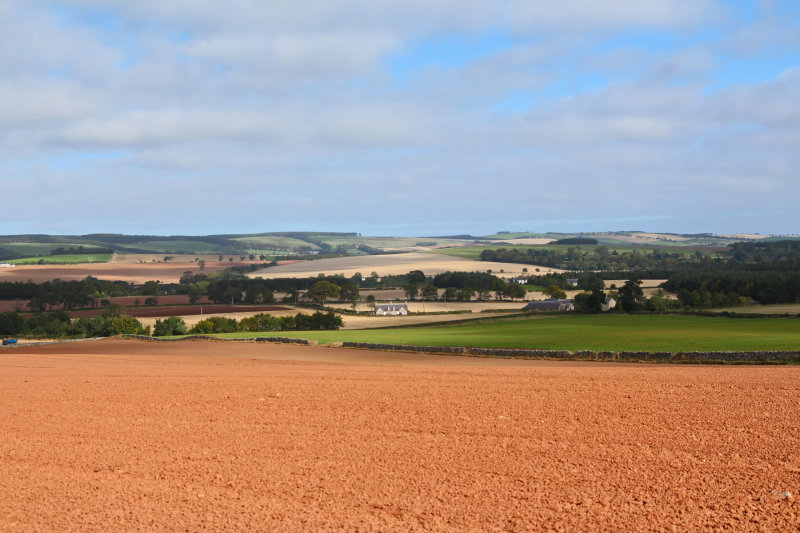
x: 668, y: 333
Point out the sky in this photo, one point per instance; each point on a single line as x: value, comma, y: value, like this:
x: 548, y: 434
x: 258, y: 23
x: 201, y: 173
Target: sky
x: 399, y: 117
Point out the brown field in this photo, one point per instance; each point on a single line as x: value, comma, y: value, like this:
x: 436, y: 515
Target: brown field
x: 745, y: 236
x: 393, y: 264
x: 127, y: 435
x: 525, y: 241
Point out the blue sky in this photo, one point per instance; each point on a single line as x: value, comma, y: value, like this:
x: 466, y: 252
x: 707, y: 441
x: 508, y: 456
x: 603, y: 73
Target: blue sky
x: 413, y: 117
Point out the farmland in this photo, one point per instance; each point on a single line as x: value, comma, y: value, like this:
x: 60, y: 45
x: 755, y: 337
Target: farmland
x: 114, y: 434
x: 670, y: 333
x: 393, y: 264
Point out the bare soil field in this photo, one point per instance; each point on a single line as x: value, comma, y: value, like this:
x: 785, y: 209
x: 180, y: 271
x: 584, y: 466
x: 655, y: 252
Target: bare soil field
x: 132, y: 273
x: 391, y: 264
x: 128, y: 435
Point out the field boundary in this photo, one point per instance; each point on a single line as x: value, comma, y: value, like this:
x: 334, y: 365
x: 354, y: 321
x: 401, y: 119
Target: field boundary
x: 710, y: 357
x: 282, y: 340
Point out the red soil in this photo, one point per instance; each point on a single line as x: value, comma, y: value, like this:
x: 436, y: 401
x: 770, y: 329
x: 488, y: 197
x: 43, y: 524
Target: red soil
x: 127, y: 435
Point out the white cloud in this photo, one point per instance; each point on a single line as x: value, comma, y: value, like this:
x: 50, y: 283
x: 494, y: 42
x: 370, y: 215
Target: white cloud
x: 290, y: 105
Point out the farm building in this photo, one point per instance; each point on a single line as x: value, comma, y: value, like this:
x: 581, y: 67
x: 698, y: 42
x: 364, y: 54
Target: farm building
x: 551, y: 304
x: 390, y: 309
x: 572, y: 281
x: 521, y: 281
x: 6, y: 265
x: 609, y: 304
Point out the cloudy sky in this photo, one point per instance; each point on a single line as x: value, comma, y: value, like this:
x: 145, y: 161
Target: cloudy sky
x: 416, y: 117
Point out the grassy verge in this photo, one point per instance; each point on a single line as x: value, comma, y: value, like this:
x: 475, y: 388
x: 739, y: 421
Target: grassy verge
x: 573, y: 332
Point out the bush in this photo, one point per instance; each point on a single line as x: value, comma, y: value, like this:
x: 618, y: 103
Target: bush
x: 53, y: 324
x: 170, y: 326
x: 261, y: 322
x: 122, y: 325
x: 11, y: 323
x: 98, y: 326
x: 215, y: 324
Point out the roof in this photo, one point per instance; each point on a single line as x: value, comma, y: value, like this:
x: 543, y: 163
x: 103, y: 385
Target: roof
x: 391, y: 307
x: 553, y: 304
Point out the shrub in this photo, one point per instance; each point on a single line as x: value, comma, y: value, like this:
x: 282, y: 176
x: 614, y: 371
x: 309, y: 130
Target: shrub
x: 216, y: 324
x: 125, y: 325
x: 170, y: 326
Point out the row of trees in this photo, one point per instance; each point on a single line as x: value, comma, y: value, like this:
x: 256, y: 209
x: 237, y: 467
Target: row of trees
x: 57, y: 324
x: 259, y: 322
x: 600, y: 258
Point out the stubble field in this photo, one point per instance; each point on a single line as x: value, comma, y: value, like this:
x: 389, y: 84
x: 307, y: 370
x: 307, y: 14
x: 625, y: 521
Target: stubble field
x: 393, y: 264
x: 128, y: 435
x: 132, y: 273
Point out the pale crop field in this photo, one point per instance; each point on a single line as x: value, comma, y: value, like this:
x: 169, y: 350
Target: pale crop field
x: 395, y: 264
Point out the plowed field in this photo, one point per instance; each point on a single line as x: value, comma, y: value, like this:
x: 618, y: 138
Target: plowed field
x: 128, y: 435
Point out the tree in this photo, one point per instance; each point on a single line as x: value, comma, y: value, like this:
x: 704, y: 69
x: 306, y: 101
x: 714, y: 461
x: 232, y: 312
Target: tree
x: 514, y: 290
x: 351, y: 294
x: 416, y: 276
x: 554, y: 291
x: 323, y: 290
x: 465, y: 295
x: 194, y: 293
x: 589, y: 302
x: 450, y: 294
x: 151, y: 288
x: 123, y: 325
x: 631, y: 295
x: 411, y: 291
x: 430, y: 292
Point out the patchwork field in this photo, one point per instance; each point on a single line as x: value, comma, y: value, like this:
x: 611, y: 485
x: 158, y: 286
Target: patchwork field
x: 127, y: 435
x: 392, y: 264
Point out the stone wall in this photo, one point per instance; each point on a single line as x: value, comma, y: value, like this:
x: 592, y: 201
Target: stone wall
x: 588, y: 355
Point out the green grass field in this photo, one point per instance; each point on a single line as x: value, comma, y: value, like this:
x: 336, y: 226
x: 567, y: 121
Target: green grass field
x: 35, y: 248
x: 671, y: 333
x: 195, y: 247
x: 274, y: 242
x: 62, y: 259
x: 530, y: 287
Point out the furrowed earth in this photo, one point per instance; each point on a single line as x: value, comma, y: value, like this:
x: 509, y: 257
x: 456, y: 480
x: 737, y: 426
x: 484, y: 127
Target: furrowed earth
x: 130, y: 435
